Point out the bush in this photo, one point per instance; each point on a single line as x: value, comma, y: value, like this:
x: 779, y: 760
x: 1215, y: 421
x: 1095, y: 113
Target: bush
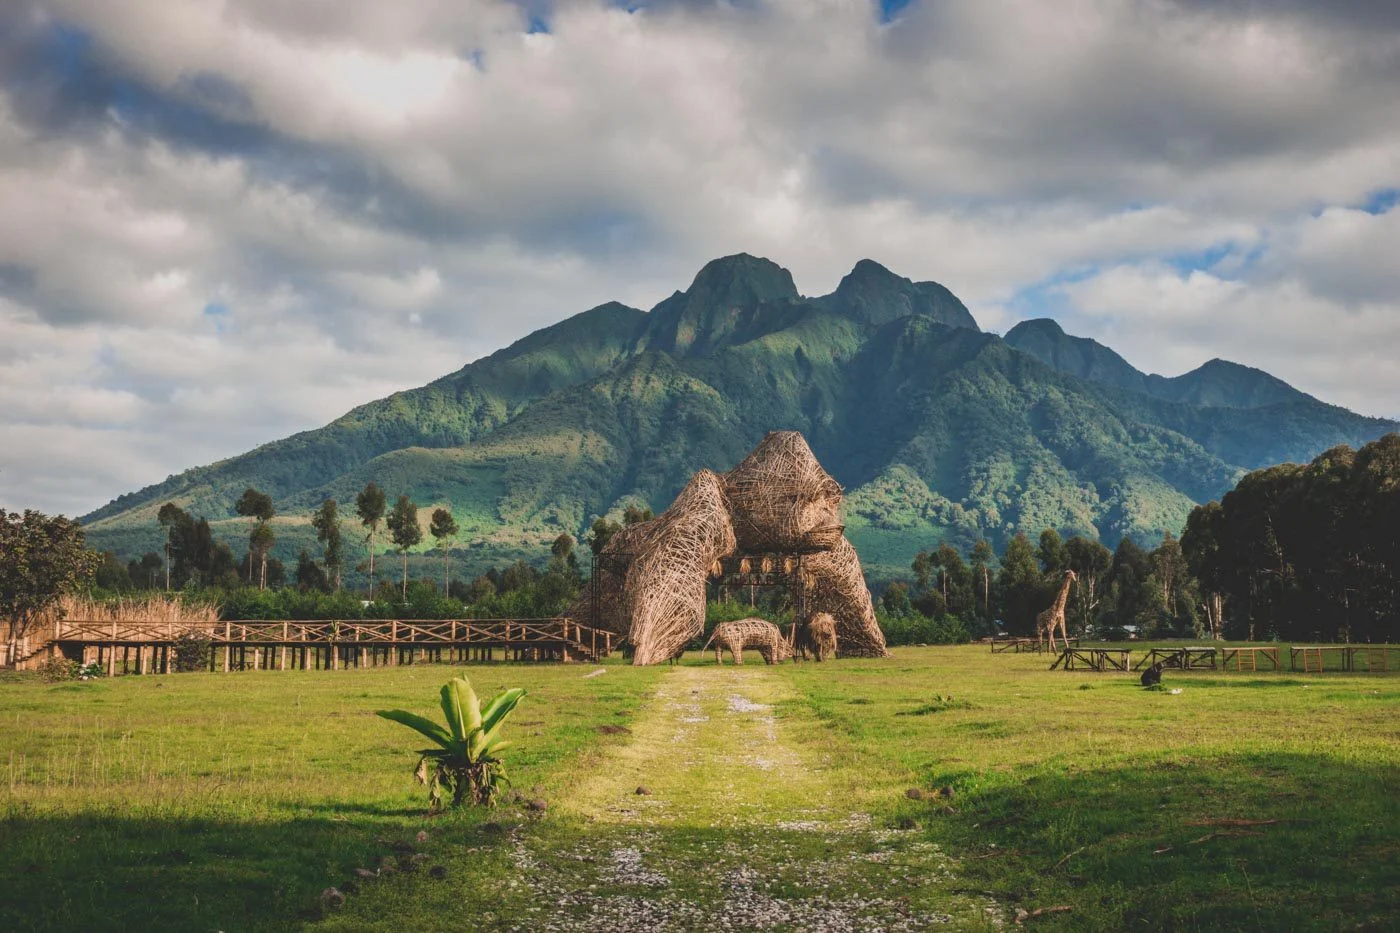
x: 192, y: 651
x: 57, y: 669
x: 916, y: 629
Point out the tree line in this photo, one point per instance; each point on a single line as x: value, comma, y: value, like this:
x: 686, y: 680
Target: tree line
x: 1125, y: 591
x: 1305, y: 551
x: 1294, y: 552
x: 193, y: 557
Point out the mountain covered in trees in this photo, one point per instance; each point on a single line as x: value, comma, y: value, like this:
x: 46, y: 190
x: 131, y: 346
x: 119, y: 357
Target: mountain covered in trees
x: 938, y: 431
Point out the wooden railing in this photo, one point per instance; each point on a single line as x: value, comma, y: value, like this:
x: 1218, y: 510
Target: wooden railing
x: 337, y: 642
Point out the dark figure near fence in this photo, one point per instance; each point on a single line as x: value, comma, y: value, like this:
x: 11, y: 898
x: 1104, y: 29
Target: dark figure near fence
x: 1153, y: 675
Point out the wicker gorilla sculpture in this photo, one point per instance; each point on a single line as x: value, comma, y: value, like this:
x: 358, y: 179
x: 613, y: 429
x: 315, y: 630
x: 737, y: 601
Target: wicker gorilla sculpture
x: 652, y: 575
x: 817, y: 637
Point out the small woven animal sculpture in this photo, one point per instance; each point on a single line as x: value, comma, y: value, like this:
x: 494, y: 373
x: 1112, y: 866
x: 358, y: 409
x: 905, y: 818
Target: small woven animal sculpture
x: 817, y: 636
x: 739, y: 634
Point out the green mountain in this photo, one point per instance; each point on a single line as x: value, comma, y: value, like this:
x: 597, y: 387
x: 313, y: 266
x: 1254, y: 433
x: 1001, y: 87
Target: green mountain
x: 936, y: 429
x: 1217, y: 384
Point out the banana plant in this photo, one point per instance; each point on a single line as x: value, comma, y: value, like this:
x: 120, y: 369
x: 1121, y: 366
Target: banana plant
x: 466, y: 760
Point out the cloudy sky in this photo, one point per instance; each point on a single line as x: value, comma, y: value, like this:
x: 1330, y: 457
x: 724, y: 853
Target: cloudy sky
x: 222, y: 221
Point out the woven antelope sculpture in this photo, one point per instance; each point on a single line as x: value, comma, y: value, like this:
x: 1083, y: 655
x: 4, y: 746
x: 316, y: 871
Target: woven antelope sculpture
x: 759, y: 634
x: 652, y: 575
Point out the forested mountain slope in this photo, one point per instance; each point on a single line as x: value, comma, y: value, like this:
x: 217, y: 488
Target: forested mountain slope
x: 935, y: 428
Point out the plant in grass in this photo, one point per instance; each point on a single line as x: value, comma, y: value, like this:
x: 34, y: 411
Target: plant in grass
x: 466, y: 762
x: 56, y: 669
x: 192, y: 651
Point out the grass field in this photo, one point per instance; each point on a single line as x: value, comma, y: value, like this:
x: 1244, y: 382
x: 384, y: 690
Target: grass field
x: 776, y: 798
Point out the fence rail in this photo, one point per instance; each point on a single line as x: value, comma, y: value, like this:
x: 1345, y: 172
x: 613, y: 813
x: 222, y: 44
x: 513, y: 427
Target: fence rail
x: 332, y: 643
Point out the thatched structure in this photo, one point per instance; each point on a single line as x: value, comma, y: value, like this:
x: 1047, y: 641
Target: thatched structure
x: 838, y: 588
x: 664, y: 593
x: 782, y: 499
x: 759, y: 634
x: 649, y: 581
x: 816, y: 636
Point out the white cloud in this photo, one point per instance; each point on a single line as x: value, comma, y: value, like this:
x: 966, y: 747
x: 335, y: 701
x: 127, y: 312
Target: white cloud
x: 370, y: 195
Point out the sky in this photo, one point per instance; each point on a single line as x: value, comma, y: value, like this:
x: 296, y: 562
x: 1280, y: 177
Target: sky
x: 224, y: 221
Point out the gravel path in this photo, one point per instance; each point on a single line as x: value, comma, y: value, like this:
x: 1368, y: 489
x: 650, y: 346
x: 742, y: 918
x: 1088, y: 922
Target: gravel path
x: 717, y: 815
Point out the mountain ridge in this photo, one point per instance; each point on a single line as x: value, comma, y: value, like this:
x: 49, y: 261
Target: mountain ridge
x: 938, y: 429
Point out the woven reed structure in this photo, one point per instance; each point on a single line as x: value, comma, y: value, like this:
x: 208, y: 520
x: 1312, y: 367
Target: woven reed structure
x: 759, y: 634
x: 782, y: 499
x: 649, y: 581
x: 816, y: 636
x: 838, y: 588
x: 665, y: 588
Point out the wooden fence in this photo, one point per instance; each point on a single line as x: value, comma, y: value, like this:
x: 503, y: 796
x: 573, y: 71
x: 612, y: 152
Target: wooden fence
x: 331, y: 644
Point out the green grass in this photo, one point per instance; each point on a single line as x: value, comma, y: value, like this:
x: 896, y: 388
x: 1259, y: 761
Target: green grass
x: 1085, y: 790
x: 210, y: 801
x: 231, y: 801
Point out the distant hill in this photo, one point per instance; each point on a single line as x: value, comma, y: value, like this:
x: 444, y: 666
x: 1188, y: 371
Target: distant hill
x: 936, y: 429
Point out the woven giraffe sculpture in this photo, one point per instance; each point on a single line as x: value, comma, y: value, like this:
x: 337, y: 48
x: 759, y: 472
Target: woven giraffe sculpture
x: 816, y: 636
x: 650, y: 578
x: 739, y: 634
x: 1054, y: 617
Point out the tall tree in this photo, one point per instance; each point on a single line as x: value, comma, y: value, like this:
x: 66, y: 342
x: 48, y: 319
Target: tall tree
x: 601, y: 533
x: 1022, y: 589
x: 1090, y: 561
x: 257, y: 506
x: 444, y: 528
x: 983, y: 557
x: 174, y: 520
x: 1054, y: 559
x: 369, y: 505
x: 191, y: 552
x: 326, y: 521
x: 41, y: 558
x: 403, y: 526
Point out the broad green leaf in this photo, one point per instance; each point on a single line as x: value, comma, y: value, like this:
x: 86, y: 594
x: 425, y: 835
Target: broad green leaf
x: 476, y: 744
x: 461, y: 707
x: 425, y: 727
x: 499, y: 708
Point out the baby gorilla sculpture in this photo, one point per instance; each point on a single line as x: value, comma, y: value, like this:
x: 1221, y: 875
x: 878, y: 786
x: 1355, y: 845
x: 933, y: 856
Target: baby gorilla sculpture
x: 652, y: 575
x: 817, y: 637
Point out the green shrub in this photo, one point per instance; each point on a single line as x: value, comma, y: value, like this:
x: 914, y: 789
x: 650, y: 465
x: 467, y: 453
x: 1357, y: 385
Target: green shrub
x: 466, y: 762
x: 57, y: 669
x: 192, y: 651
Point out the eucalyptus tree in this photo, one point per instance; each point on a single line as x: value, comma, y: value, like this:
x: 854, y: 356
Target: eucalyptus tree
x: 257, y: 506
x: 326, y: 521
x: 403, y: 526
x: 443, y: 529
x: 369, y: 506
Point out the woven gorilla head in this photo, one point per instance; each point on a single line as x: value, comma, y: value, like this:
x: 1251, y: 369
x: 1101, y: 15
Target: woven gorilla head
x: 781, y: 499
